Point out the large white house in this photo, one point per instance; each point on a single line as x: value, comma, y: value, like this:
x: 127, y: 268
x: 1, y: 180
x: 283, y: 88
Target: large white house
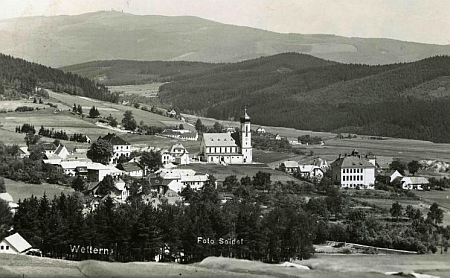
x: 353, y: 171
x: 228, y: 148
x: 120, y: 147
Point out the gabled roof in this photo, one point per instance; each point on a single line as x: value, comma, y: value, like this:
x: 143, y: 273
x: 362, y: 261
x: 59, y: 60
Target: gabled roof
x: 114, y: 140
x: 219, y: 140
x: 6, y: 197
x: 177, y: 146
x: 290, y: 164
x: 49, y: 146
x: 18, y: 242
x: 352, y: 161
x: 24, y: 150
x: 130, y: 167
x: 416, y: 180
x: 309, y: 168
x: 60, y: 149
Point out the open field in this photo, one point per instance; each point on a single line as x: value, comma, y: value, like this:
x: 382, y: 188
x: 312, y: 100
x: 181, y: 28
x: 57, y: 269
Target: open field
x: 220, y: 172
x: 403, y: 149
x: 116, y: 110
x: 13, y: 104
x: 20, y: 190
x: 354, y: 266
x: 146, y: 90
x: 58, y: 121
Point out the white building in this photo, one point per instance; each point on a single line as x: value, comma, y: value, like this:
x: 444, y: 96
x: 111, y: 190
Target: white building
x: 228, y: 148
x: 14, y: 244
x: 416, y: 183
x: 120, y: 147
x: 353, y: 171
x: 289, y: 166
x: 311, y: 172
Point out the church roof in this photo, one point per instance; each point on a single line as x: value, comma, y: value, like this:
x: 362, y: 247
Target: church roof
x: 246, y: 117
x: 219, y: 140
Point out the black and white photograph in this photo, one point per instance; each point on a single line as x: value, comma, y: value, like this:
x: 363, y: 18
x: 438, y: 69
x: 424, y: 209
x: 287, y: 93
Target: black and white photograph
x: 224, y: 138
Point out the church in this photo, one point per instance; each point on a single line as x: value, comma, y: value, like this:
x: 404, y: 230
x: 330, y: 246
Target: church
x: 228, y: 148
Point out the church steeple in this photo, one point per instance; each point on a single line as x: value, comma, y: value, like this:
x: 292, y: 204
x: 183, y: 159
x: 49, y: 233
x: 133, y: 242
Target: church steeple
x: 246, y: 138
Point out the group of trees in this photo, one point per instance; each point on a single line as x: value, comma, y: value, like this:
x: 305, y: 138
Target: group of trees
x: 128, y: 121
x: 26, y: 128
x: 78, y: 137
x: 94, y: 113
x: 58, y: 134
x: 413, y: 167
x: 308, y: 139
x: 24, y: 77
x: 29, y: 169
x: 77, y: 109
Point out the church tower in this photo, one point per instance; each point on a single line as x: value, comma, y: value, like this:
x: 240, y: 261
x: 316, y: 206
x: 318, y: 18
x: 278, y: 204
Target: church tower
x: 246, y: 138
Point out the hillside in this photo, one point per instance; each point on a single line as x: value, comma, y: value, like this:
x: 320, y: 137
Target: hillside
x: 65, y: 40
x: 400, y: 100
x: 20, y: 78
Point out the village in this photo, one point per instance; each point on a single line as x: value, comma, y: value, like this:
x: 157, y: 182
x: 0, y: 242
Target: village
x: 159, y: 176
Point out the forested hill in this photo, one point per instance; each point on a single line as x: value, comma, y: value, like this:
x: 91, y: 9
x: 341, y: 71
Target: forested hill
x: 18, y: 77
x: 407, y: 100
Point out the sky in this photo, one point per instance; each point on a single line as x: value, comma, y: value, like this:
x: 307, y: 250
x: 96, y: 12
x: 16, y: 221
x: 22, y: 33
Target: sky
x: 426, y: 21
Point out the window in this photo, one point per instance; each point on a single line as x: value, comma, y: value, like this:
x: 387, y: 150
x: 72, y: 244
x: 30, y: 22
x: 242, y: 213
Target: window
x: 7, y: 247
x: 1, y: 247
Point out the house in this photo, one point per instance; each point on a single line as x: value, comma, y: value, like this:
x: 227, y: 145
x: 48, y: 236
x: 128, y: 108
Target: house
x: 14, y: 244
x: 172, y: 113
x: 321, y: 163
x: 289, y: 166
x: 120, y: 147
x: 132, y: 169
x: 353, y: 171
x: 183, y: 178
x: 390, y: 176
x: 23, y: 152
x: 182, y: 134
x: 278, y: 137
x: 311, y: 172
x: 119, y: 192
x: 97, y: 171
x: 228, y: 148
x: 179, y: 154
x: 62, y: 151
x: 260, y: 130
x: 230, y: 129
x: 416, y: 183
x: 49, y: 149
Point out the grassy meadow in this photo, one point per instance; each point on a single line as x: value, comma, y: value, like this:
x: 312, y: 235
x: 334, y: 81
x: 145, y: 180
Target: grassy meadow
x: 146, y: 90
x: 20, y: 190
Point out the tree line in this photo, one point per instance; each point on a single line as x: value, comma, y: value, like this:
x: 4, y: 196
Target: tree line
x: 24, y: 77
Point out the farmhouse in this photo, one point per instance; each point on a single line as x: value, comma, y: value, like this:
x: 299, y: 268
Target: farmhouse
x: 23, y: 152
x: 289, y: 166
x: 226, y: 147
x: 260, y: 130
x: 14, y: 244
x: 416, y: 183
x: 120, y: 147
x: 177, y: 155
x: 132, y: 169
x: 311, y: 172
x: 353, y: 171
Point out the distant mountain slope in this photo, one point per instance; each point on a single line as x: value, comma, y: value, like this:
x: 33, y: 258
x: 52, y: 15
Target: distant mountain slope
x: 66, y: 40
x: 409, y: 100
x: 19, y: 77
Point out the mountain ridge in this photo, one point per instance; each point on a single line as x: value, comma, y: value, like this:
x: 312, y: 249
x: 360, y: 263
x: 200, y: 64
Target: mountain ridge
x: 66, y: 40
